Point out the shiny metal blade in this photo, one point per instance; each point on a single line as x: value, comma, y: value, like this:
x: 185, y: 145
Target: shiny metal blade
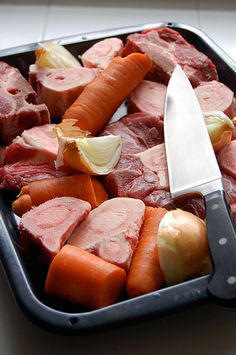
x: 191, y: 160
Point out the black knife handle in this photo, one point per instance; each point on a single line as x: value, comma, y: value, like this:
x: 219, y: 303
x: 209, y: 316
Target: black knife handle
x: 221, y: 233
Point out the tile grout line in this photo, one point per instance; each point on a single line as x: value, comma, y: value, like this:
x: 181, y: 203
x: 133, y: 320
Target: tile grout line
x: 46, y: 19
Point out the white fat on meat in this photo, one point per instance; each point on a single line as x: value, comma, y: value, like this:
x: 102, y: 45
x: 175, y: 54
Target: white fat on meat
x: 154, y: 159
x: 111, y: 231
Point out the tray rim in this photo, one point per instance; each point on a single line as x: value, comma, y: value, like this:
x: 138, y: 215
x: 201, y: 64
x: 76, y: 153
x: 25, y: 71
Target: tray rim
x: 192, y: 292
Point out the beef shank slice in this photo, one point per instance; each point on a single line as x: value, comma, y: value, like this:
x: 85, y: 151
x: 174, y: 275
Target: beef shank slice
x: 46, y: 228
x: 58, y: 88
x: 18, y: 109
x: 111, y: 231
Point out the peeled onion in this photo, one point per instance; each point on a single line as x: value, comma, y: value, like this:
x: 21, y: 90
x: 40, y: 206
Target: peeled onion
x: 54, y: 55
x: 220, y: 128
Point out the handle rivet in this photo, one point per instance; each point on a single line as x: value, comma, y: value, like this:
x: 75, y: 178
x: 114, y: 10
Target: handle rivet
x: 215, y: 206
x: 231, y: 280
x: 222, y: 241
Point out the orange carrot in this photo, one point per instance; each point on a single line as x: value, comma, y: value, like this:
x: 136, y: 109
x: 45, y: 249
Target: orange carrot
x: 145, y: 274
x: 82, y: 186
x: 101, y: 98
x: 80, y: 277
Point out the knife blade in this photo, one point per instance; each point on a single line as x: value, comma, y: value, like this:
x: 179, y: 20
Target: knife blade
x: 193, y: 168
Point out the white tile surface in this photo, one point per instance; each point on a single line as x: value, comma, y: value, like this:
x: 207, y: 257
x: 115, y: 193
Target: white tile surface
x: 218, y: 20
x: 22, y: 22
x: 75, y: 17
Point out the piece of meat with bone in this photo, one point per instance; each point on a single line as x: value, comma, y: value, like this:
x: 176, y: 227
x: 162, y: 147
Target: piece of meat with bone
x: 212, y: 95
x: 139, y: 131
x: 111, y: 231
x: 138, y: 175
x: 216, y: 96
x: 15, y: 176
x: 18, y: 109
x: 58, y: 88
x: 46, y: 228
x: 167, y: 48
x: 40, y: 144
x: 144, y: 176
x: 102, y: 53
x: 148, y: 97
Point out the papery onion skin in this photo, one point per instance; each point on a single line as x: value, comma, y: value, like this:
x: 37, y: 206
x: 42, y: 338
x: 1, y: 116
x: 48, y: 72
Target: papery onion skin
x: 183, y: 247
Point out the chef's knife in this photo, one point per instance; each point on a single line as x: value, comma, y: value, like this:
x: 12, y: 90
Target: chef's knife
x: 193, y: 168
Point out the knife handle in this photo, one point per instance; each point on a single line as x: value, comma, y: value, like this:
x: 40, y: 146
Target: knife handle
x: 221, y: 233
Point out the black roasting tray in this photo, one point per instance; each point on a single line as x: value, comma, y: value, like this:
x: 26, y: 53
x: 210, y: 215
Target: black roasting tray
x: 62, y: 317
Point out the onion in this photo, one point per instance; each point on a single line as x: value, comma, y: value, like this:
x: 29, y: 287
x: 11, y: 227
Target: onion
x: 182, y: 247
x: 53, y: 55
x: 220, y: 128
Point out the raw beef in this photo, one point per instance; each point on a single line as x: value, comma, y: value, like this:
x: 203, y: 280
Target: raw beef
x: 139, y: 175
x: 227, y: 159
x: 144, y: 176
x: 229, y: 184
x: 58, y: 88
x: 15, y: 176
x: 139, y: 131
x: 39, y: 144
x: 233, y: 210
x: 102, y: 52
x: 18, y: 110
x: 166, y: 48
x: 45, y: 229
x: 2, y: 154
x: 215, y: 96
x: 212, y: 96
x: 111, y: 231
x: 148, y: 97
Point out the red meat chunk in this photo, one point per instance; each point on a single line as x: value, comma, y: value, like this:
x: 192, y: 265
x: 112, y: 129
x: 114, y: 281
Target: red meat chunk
x: 139, y: 175
x: 144, y: 176
x: 139, y: 131
x: 18, y: 110
x: 111, y: 231
x: 229, y: 184
x: 15, y: 176
x: 46, y: 228
x: 227, y: 159
x: 167, y: 48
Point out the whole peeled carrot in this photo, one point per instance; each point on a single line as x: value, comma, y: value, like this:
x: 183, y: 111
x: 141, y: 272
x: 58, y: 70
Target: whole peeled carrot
x: 81, y: 186
x: 101, y: 98
x: 145, y: 274
x: 80, y: 277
